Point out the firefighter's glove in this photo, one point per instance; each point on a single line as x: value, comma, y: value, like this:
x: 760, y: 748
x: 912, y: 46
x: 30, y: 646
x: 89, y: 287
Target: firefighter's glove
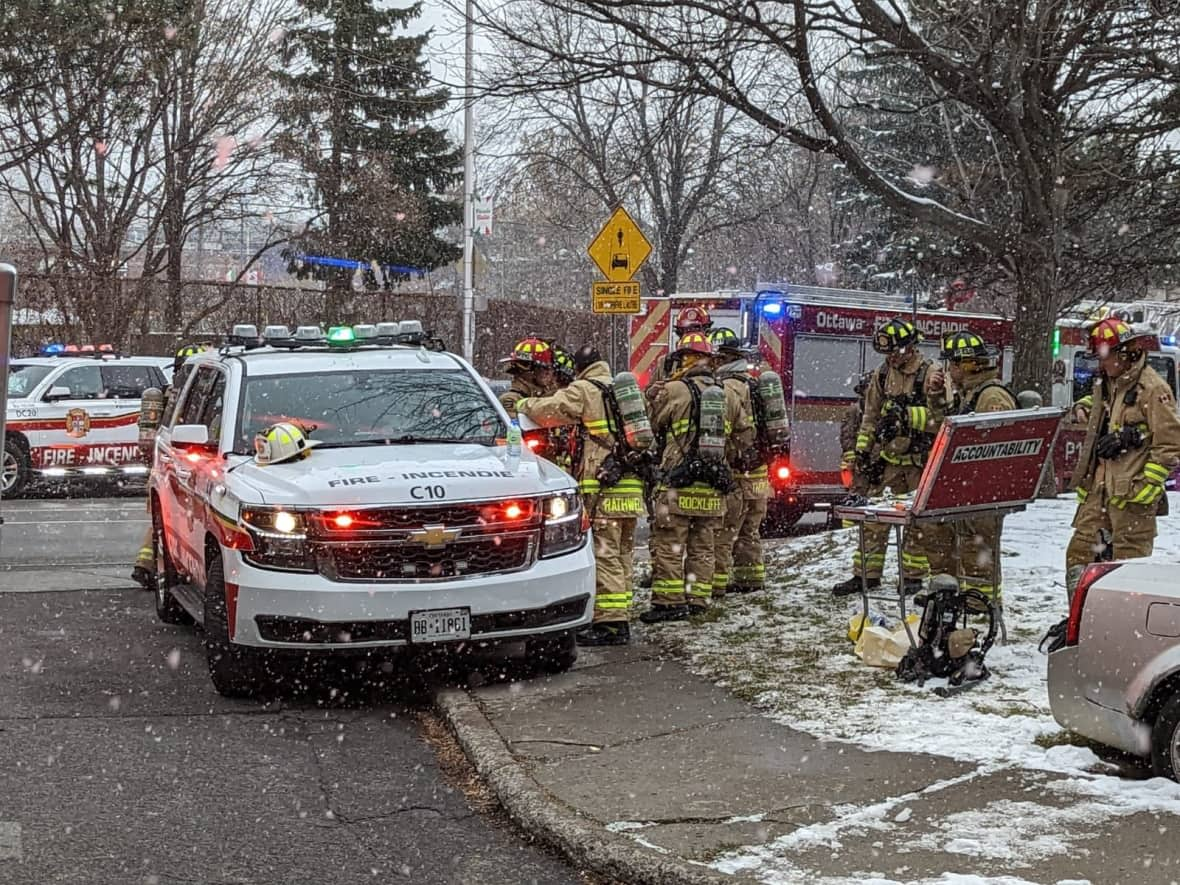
x: 892, y: 422
x: 1117, y: 442
x: 864, y: 463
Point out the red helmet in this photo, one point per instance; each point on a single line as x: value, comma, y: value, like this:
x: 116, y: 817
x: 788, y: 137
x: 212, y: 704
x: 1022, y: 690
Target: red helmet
x: 693, y: 342
x: 531, y: 352
x: 1113, y: 333
x: 692, y: 319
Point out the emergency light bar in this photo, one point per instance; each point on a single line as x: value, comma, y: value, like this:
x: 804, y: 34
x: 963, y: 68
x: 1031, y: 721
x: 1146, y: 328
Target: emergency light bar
x: 101, y: 351
x: 407, y: 333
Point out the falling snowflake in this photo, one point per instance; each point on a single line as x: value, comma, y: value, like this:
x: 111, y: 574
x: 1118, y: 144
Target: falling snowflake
x: 922, y: 175
x: 102, y: 148
x: 169, y: 32
x: 174, y: 659
x: 224, y: 147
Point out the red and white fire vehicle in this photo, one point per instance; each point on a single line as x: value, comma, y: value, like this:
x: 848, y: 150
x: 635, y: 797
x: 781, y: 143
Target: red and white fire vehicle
x: 820, y: 341
x: 74, y: 414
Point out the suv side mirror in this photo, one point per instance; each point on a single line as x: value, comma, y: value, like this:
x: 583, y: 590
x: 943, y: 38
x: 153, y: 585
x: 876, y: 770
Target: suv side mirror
x: 192, y: 436
x: 58, y: 391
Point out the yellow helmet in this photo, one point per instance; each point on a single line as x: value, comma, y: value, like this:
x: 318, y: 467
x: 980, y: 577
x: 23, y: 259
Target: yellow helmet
x: 282, y: 442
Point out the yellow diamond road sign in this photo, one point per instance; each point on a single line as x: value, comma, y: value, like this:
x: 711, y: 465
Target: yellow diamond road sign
x: 620, y: 248
x: 615, y: 297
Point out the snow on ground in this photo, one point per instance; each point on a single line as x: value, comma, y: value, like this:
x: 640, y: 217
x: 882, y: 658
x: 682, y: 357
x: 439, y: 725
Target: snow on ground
x: 787, y: 652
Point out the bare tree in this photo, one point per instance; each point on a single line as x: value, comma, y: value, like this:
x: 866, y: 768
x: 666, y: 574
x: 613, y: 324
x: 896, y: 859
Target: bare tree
x: 146, y: 124
x: 671, y: 156
x: 217, y: 120
x: 1076, y: 98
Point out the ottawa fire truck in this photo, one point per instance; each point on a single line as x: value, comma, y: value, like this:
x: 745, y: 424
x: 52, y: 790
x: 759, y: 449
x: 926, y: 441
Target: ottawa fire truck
x: 820, y: 341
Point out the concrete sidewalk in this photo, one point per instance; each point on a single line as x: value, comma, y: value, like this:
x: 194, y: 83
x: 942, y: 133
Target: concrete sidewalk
x: 645, y: 773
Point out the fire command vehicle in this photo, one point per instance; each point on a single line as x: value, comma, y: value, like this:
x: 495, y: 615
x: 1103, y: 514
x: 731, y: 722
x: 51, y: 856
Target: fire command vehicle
x: 819, y: 340
x: 410, y: 522
x: 74, y: 414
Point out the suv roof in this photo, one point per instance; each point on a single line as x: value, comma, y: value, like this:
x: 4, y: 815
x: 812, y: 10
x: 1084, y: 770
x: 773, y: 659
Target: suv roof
x: 85, y: 360
x: 285, y: 361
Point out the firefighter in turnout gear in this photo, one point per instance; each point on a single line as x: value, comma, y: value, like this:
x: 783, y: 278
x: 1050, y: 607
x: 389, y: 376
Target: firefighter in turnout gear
x: 154, y: 413
x: 973, y: 372
x: 611, y: 491
x: 737, y: 550
x: 531, y: 367
x: 1132, y: 443
x: 688, y: 503
x: 689, y: 319
x: 896, y: 417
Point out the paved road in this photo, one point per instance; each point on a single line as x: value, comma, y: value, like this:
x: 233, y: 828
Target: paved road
x: 122, y: 765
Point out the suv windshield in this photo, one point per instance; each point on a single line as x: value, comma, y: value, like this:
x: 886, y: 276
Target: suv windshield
x: 361, y: 406
x: 22, y: 379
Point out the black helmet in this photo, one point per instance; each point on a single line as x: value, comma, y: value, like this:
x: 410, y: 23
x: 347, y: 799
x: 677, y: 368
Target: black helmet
x: 726, y: 340
x: 563, y: 364
x: 585, y: 356
x: 966, y: 345
x: 897, y: 334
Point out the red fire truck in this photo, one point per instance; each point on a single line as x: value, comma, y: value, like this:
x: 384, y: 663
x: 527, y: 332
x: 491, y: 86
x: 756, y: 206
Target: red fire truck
x: 820, y: 341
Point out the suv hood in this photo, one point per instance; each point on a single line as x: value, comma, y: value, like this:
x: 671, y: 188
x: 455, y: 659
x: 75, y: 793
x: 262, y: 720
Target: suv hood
x: 396, y: 474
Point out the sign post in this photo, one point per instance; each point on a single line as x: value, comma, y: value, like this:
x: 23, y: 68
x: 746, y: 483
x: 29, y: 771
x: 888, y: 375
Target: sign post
x: 619, y: 250
x: 7, y: 294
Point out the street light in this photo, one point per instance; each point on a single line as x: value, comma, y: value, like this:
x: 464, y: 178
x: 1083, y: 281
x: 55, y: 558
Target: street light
x: 7, y: 294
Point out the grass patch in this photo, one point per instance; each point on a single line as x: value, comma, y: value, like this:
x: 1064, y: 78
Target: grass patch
x: 1068, y: 739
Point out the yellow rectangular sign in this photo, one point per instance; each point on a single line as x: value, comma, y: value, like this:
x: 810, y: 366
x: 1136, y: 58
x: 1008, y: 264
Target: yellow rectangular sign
x: 615, y: 297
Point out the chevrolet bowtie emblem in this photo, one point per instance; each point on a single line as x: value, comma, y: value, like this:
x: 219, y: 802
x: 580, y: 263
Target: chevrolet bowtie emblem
x: 434, y: 535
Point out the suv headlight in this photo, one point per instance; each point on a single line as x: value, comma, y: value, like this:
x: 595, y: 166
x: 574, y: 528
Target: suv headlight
x: 279, y: 539
x: 565, y: 524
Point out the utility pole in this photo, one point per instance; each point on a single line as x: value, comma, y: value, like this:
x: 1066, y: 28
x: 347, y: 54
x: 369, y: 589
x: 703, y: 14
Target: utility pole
x: 468, y: 190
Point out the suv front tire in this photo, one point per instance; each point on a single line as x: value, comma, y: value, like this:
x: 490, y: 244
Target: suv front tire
x: 236, y: 671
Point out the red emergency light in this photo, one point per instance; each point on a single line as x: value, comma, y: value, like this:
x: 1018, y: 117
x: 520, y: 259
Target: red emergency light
x: 780, y: 472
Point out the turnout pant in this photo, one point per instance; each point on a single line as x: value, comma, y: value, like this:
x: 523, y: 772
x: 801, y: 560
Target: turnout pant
x: 682, y: 559
x: 915, y: 563
x: 724, y: 535
x: 614, y: 544
x: 749, y: 569
x: 977, y: 539
x: 1131, y: 530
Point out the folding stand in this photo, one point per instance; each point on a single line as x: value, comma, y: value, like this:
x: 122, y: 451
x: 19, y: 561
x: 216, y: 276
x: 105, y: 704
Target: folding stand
x: 987, y: 465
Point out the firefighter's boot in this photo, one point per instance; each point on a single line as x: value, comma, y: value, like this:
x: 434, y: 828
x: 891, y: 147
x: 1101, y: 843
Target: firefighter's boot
x: 852, y: 586
x: 144, y: 571
x: 605, y: 633
x: 660, y: 613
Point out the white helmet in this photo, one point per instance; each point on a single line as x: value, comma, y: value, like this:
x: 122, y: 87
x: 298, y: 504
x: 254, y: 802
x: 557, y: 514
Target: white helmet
x: 282, y: 442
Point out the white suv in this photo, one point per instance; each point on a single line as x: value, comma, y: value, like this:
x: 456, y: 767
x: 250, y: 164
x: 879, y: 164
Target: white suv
x: 411, y: 522
x: 74, y: 416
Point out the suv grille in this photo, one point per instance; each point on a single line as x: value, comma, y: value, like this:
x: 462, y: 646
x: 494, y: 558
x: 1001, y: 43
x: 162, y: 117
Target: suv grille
x: 405, y: 561
x: 432, y: 543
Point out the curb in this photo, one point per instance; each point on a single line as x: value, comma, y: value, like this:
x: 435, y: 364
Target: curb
x: 582, y: 840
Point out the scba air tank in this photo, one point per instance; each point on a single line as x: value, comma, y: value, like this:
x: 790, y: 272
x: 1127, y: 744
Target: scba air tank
x: 632, y: 412
x: 711, y: 441
x: 775, y: 427
x: 151, y: 407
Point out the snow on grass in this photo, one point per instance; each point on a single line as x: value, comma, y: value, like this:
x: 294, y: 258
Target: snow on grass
x: 787, y: 651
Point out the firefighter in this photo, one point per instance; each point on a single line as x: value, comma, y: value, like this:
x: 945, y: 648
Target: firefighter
x: 689, y: 319
x: 1132, y: 443
x: 531, y: 369
x: 611, y: 493
x: 153, y: 414
x: 737, y: 548
x: 686, y: 508
x: 973, y: 373
x: 897, y: 417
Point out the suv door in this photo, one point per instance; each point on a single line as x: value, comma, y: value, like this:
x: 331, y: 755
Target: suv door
x: 173, y: 480
x: 196, y: 476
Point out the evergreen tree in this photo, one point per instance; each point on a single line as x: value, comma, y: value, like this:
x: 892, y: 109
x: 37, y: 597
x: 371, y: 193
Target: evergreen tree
x: 356, y: 100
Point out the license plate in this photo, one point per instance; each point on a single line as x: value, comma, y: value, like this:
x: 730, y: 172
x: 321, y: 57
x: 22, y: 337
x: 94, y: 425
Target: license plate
x: 440, y: 625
